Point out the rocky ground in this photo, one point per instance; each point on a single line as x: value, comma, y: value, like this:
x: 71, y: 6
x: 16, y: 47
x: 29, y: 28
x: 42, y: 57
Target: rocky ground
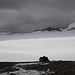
x: 38, y: 68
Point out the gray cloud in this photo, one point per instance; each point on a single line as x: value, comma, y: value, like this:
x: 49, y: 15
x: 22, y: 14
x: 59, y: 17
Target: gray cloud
x: 65, y: 5
x: 28, y: 15
x: 14, y: 4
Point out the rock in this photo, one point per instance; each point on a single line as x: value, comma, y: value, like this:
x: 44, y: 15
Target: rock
x: 44, y: 59
x: 51, y: 29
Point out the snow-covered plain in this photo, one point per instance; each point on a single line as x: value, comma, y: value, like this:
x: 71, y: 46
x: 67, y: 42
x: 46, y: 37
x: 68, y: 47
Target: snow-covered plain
x: 30, y: 46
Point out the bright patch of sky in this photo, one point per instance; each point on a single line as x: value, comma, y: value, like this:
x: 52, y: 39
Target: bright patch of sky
x: 32, y: 49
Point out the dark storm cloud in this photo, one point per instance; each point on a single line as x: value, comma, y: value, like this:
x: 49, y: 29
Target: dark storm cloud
x: 65, y: 5
x: 11, y: 3
x: 17, y: 3
x: 28, y: 15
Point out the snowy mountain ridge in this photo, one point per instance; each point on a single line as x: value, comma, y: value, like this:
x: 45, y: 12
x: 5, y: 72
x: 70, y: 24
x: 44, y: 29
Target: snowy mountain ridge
x: 70, y: 27
x: 48, y: 32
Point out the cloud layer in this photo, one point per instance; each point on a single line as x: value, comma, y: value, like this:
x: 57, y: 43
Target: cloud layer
x: 29, y: 15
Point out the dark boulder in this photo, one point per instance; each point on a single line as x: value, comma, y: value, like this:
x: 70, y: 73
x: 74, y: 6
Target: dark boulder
x: 44, y: 59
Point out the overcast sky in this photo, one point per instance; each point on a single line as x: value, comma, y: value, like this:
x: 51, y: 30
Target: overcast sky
x: 32, y: 49
x: 29, y: 15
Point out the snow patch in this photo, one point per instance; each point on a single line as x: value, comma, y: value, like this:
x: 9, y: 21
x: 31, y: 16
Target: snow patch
x: 71, y: 26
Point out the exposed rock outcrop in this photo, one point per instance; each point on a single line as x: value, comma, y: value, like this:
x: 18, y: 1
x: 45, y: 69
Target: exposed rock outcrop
x: 44, y: 59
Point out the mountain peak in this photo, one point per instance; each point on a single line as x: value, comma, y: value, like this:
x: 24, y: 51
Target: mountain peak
x: 71, y: 26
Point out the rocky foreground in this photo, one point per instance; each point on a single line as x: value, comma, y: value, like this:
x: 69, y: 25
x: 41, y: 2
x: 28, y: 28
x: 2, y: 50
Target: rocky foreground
x: 38, y: 68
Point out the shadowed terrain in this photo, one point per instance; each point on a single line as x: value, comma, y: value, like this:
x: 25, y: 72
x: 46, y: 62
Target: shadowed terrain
x: 49, y: 68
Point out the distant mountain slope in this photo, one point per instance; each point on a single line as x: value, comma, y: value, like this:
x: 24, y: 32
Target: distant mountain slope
x: 71, y: 26
x: 51, y: 29
x: 48, y: 32
x: 37, y: 35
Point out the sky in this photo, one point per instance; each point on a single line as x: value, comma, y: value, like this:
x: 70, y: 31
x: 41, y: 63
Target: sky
x: 29, y: 15
x: 31, y: 46
x: 33, y: 49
